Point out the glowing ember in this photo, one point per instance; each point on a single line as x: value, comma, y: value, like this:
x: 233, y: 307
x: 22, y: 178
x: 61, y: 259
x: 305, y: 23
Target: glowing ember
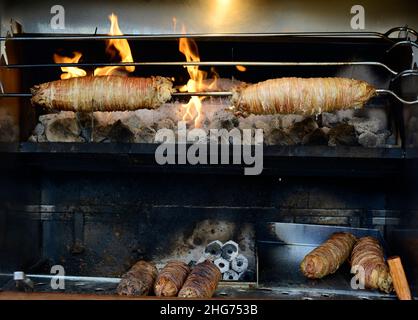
x: 241, y: 68
x: 70, y: 72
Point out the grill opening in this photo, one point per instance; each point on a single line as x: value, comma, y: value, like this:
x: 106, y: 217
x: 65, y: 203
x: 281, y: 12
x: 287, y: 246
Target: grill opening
x: 97, y: 208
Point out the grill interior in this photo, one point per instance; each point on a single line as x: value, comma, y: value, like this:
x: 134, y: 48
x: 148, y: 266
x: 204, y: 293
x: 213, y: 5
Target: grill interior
x: 96, y: 208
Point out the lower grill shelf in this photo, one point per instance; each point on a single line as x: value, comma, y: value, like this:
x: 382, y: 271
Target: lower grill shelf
x: 104, y: 288
x: 281, y: 247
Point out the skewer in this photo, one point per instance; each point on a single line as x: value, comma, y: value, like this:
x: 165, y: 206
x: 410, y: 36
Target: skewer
x: 216, y: 94
x: 205, y: 63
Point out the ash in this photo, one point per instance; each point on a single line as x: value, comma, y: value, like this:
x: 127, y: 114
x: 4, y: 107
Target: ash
x: 367, y: 127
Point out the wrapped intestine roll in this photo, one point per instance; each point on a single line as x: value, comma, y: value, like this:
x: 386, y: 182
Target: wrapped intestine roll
x: 329, y: 256
x: 171, y: 279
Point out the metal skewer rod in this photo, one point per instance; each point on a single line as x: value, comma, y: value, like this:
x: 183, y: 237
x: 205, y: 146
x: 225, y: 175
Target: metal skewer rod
x: 203, y: 94
x: 215, y: 94
x: 50, y: 37
x: 393, y: 94
x: 204, y: 63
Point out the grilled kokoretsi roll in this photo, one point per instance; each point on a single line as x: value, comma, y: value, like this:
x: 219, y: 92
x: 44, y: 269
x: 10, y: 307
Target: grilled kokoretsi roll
x: 103, y: 93
x: 368, y: 255
x: 305, y: 96
x: 171, y: 279
x: 202, y: 281
x: 329, y: 256
x: 139, y: 280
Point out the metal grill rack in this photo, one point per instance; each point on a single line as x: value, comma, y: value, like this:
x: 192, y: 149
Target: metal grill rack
x: 395, y: 42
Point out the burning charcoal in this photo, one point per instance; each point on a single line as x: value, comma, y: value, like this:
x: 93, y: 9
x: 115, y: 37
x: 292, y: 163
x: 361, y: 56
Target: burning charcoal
x: 245, y: 125
x: 101, y: 132
x: 85, y: 119
x: 279, y: 137
x: 39, y: 129
x: 239, y: 264
x: 329, y: 119
x: 33, y: 138
x: 133, y: 122
x: 345, y: 115
x: 229, y: 250
x: 371, y: 140
x: 302, y: 128
x: 276, y: 122
x: 288, y: 120
x: 343, y: 134
x: 38, y: 134
x: 165, y: 124
x: 9, y: 132
x: 230, y: 275
x: 262, y: 125
x: 248, y: 275
x: 214, y: 248
x: 317, y: 137
x: 145, y: 135
x: 222, y: 264
x: 225, y: 120
x: 63, y: 128
x: 362, y: 125
x: 119, y: 132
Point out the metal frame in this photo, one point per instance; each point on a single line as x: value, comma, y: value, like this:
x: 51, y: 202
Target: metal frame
x: 385, y: 36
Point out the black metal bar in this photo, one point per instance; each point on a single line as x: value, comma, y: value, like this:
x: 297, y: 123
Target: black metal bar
x: 206, y: 35
x: 203, y: 63
x: 15, y: 95
x: 213, y: 94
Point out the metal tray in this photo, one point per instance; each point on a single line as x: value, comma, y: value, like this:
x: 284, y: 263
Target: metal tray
x: 281, y: 248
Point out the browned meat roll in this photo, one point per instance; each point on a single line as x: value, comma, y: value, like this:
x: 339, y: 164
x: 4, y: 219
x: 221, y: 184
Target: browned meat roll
x: 171, y: 279
x: 104, y: 93
x: 305, y: 96
x: 329, y: 256
x: 202, y: 281
x: 368, y: 254
x: 139, y: 280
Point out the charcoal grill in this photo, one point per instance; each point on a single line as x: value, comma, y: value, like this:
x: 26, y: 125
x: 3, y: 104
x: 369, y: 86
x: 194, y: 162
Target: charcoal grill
x: 96, y: 208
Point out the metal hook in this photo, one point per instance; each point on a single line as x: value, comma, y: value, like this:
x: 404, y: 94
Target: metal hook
x: 384, y: 91
x: 405, y: 73
x: 402, y: 43
x: 405, y: 28
x: 3, y: 52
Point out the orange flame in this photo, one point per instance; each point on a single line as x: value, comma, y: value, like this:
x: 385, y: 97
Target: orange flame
x: 114, y: 47
x: 70, y: 72
x: 241, y: 68
x: 194, y: 107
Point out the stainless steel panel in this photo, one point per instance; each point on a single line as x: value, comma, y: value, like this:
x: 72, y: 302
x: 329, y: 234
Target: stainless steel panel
x: 212, y: 16
x: 281, y: 248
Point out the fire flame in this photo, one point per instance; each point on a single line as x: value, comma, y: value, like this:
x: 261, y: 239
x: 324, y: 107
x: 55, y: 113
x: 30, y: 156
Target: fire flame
x: 241, y: 68
x: 70, y: 72
x: 193, y: 109
x: 114, y: 47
